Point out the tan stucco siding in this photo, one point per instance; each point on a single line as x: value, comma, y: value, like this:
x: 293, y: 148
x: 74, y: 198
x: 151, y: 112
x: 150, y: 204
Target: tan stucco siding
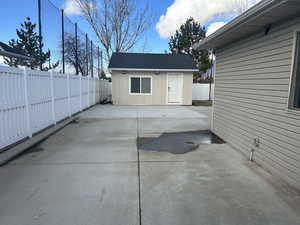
x: 251, y: 100
x: 122, y: 96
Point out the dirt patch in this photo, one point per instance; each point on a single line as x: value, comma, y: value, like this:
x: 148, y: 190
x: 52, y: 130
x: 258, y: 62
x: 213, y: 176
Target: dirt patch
x: 178, y: 143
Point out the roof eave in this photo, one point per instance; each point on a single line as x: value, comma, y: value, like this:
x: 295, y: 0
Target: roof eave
x: 154, y: 70
x: 257, y: 10
x: 14, y: 55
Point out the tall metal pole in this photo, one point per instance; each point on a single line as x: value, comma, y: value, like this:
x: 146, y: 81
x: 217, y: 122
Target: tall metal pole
x: 76, y: 48
x: 40, y: 33
x: 98, y: 51
x: 87, y: 53
x: 92, y: 60
x: 63, y: 40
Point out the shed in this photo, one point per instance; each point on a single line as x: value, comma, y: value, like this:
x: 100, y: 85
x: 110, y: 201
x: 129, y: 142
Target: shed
x: 151, y: 79
x: 257, y: 85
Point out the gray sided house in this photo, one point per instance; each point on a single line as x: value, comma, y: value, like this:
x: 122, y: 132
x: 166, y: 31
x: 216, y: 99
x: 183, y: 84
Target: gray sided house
x: 151, y: 79
x: 257, y: 85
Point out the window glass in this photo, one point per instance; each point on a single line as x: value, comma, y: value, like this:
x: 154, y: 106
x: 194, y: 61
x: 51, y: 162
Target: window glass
x: 296, y: 76
x: 146, y: 85
x: 135, y: 85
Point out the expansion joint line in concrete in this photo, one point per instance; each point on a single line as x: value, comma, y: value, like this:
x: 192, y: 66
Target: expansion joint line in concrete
x: 139, y: 171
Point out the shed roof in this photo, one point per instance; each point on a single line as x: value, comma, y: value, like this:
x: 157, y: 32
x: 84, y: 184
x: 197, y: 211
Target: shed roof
x: 150, y: 61
x: 8, y: 51
x: 257, y: 18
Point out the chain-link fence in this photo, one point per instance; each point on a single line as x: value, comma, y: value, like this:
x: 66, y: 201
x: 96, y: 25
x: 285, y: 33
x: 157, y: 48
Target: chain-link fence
x: 61, y: 45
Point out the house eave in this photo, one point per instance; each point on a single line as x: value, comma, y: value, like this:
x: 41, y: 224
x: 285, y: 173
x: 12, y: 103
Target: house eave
x: 10, y: 54
x: 153, y: 70
x: 256, y: 19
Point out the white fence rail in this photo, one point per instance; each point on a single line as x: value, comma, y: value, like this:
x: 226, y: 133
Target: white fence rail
x: 32, y: 100
x: 201, y: 91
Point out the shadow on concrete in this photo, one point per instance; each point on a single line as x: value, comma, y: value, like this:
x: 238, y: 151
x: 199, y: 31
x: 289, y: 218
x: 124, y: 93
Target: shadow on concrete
x: 178, y: 143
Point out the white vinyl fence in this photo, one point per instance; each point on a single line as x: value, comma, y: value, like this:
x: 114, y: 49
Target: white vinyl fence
x: 201, y: 91
x: 32, y: 100
x: 105, y: 90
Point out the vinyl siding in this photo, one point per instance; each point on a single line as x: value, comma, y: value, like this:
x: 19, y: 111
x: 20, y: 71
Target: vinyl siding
x: 121, y: 96
x: 251, y: 99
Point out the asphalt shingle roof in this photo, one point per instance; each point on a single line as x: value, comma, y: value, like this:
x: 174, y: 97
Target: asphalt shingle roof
x: 151, y: 61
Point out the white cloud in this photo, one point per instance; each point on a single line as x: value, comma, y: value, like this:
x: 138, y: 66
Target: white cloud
x: 214, y: 27
x: 71, y: 7
x: 202, y: 11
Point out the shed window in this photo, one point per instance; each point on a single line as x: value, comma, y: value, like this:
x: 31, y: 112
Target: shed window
x: 295, y: 84
x: 135, y: 85
x: 140, y: 85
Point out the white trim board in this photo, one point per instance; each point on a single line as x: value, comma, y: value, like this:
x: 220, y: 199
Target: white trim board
x: 293, y: 75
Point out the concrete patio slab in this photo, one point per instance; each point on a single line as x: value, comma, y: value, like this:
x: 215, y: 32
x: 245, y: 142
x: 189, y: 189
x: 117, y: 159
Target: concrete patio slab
x: 91, y: 173
x: 69, y: 194
x: 213, y: 185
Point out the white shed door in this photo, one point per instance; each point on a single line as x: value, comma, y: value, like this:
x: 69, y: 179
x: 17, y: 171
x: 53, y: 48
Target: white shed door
x: 175, y: 87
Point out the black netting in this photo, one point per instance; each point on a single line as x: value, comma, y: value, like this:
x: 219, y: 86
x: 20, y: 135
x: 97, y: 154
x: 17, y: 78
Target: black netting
x: 69, y: 53
x: 52, y: 35
x: 70, y: 46
x: 83, y: 62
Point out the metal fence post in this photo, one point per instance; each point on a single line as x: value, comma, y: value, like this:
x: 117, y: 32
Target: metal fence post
x: 27, y: 104
x: 40, y: 33
x: 63, y: 39
x: 76, y: 48
x: 87, y: 53
x: 52, y: 97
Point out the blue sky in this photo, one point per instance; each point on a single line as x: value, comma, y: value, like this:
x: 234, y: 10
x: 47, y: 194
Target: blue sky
x: 168, y: 15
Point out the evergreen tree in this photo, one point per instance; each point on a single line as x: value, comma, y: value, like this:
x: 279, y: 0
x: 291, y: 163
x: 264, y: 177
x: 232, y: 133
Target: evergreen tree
x: 28, y: 42
x: 188, y: 34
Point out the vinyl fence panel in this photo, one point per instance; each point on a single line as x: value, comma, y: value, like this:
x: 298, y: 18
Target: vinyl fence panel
x: 201, y: 91
x: 13, y: 125
x: 39, y: 96
x: 32, y: 100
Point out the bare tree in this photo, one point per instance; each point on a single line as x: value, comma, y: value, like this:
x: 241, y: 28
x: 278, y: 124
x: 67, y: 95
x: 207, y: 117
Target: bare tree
x: 240, y: 6
x: 118, y: 24
x: 70, y: 53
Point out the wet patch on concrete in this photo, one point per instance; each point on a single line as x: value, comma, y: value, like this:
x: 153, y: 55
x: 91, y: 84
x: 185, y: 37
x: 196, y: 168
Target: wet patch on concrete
x: 76, y: 121
x: 178, y: 143
x: 33, y: 152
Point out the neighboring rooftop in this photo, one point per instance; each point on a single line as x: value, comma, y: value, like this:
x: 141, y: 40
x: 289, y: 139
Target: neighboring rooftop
x: 258, y: 18
x: 149, y: 61
x: 8, y: 51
